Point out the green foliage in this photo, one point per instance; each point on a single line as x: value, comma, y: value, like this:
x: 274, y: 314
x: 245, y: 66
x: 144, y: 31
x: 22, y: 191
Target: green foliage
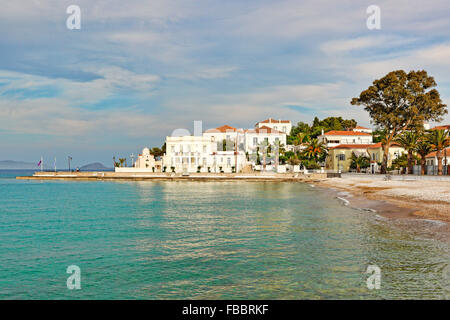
x: 400, y: 162
x: 225, y: 145
x: 310, y: 164
x: 294, y: 160
x: 401, y: 101
x: 315, y: 150
x: 359, y: 162
x: 157, y: 152
x: 408, y: 140
x: 313, y: 131
x: 439, y: 140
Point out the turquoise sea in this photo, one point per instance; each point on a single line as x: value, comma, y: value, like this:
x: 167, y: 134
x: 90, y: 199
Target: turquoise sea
x: 205, y: 240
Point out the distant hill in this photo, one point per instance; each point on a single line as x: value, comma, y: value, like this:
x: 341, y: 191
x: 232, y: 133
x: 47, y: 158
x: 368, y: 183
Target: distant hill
x: 10, y: 164
x: 96, y: 166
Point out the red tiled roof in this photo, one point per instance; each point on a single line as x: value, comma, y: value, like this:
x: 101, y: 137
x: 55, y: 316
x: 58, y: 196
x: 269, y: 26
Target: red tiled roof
x: 346, y: 133
x: 263, y: 129
x: 353, y: 146
x: 444, y: 127
x: 362, y: 146
x: 359, y: 127
x: 270, y: 120
x: 224, y: 128
x: 433, y: 154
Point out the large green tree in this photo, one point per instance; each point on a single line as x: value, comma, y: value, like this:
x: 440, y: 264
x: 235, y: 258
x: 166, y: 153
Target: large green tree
x: 401, y: 101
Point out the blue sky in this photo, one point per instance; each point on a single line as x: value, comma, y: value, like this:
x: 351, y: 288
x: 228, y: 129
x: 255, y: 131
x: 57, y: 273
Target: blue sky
x: 137, y: 70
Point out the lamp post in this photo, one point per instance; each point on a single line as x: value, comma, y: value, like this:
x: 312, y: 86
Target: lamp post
x: 69, y: 158
x: 132, y: 159
x: 338, y: 159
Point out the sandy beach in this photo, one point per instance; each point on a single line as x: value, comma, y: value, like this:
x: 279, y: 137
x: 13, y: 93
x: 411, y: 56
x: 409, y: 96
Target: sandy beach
x: 427, y: 199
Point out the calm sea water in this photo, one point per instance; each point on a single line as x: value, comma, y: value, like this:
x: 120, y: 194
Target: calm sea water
x: 204, y: 240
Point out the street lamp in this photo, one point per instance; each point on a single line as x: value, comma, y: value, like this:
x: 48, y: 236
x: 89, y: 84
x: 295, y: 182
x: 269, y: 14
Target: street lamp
x: 338, y: 159
x: 69, y: 158
x: 132, y: 159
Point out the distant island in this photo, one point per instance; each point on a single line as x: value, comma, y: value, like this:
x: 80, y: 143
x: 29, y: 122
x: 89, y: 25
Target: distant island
x: 96, y: 166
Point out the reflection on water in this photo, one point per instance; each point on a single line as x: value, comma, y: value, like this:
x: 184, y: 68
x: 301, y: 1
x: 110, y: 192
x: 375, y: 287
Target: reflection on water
x: 205, y: 240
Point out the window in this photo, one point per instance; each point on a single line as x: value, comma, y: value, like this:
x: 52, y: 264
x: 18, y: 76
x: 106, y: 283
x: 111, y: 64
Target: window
x: 204, y: 161
x: 341, y: 157
x: 255, y: 141
x: 373, y: 156
x: 204, y: 149
x: 266, y: 140
x: 228, y: 161
x: 284, y: 128
x: 172, y: 149
x: 275, y: 128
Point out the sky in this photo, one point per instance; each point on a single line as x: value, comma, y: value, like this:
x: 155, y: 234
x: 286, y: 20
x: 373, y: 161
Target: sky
x: 137, y: 70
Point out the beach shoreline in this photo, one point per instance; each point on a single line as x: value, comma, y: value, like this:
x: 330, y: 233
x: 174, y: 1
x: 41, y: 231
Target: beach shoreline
x: 417, y: 199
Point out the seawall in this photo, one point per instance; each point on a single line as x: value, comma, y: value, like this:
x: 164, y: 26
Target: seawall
x: 265, y: 176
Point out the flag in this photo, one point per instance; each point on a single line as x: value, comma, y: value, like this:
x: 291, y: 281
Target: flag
x: 39, y: 163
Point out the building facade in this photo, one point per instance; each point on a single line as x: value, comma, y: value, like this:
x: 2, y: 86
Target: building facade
x: 334, y: 138
x: 339, y: 157
x: 278, y: 125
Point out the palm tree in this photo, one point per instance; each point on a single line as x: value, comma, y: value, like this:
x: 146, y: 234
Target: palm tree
x: 359, y: 161
x: 301, y: 139
x: 423, y: 148
x: 439, y: 140
x: 408, y: 140
x: 314, y: 149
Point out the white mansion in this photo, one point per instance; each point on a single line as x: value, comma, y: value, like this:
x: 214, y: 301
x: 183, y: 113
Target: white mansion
x: 223, y: 149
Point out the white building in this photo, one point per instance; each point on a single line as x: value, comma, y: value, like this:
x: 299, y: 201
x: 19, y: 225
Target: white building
x: 278, y: 125
x: 362, y: 129
x: 145, y: 160
x: 431, y: 158
x: 334, y: 138
x: 234, y: 138
x: 263, y: 135
x: 187, y: 153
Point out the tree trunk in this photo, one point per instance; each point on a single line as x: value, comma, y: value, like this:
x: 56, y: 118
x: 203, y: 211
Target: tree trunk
x: 385, y: 158
x: 358, y: 169
x: 410, y: 163
x: 422, y: 165
x: 439, y: 159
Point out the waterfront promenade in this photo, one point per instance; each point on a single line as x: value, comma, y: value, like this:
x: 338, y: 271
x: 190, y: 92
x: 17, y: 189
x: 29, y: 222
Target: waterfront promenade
x: 109, y: 175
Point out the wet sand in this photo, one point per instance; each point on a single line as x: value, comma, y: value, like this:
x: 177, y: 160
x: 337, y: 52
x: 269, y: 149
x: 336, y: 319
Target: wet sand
x: 425, y: 205
x: 419, y: 198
